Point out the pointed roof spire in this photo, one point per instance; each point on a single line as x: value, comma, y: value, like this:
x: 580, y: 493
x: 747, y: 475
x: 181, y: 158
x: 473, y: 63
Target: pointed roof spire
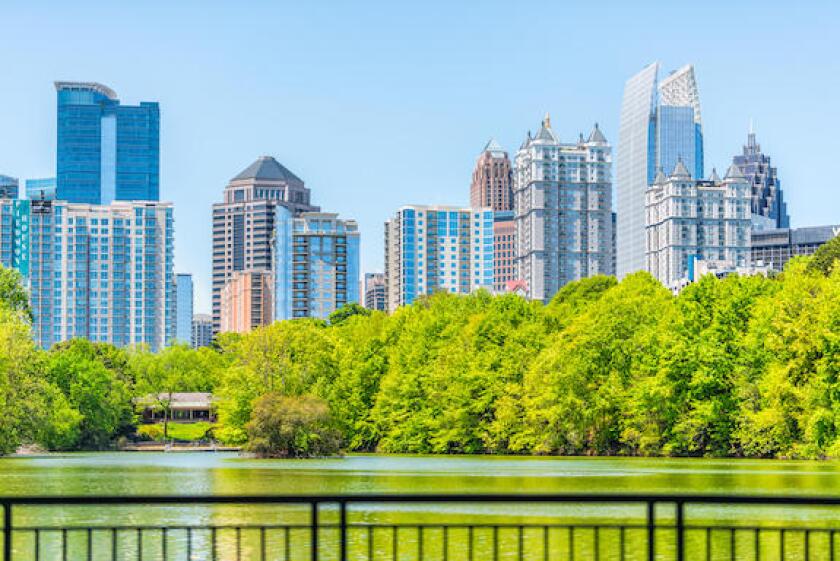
x: 734, y: 172
x: 268, y: 169
x: 547, y: 121
x: 714, y: 178
x: 597, y: 136
x: 493, y: 146
x: 660, y: 178
x: 680, y: 171
x: 545, y: 133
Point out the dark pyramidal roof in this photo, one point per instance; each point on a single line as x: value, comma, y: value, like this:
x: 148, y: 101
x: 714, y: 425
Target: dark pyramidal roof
x: 268, y: 169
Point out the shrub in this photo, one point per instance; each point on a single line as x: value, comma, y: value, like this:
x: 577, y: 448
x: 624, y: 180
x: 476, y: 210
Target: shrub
x: 291, y: 427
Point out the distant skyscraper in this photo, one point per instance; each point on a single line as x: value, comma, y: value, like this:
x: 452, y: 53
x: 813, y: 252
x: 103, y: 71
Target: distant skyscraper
x: 504, y: 250
x: 689, y: 220
x: 106, y: 151
x: 777, y: 246
x: 492, y: 179
x: 767, y: 197
x: 659, y: 125
x: 244, y: 223
x: 184, y: 308
x: 316, y: 264
x: 41, y: 189
x: 202, y: 330
x: 100, y: 272
x: 432, y: 248
x: 373, y: 291
x: 8, y: 187
x: 562, y: 202
x: 246, y: 301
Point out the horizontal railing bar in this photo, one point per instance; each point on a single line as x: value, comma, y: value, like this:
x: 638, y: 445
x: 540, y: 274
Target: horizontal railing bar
x: 405, y: 525
x: 410, y: 498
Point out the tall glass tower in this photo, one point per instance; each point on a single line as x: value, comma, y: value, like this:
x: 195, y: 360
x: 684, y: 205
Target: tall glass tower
x: 660, y: 125
x: 106, y: 151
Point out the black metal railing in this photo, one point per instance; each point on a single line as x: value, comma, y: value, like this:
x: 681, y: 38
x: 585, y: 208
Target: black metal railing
x: 420, y: 527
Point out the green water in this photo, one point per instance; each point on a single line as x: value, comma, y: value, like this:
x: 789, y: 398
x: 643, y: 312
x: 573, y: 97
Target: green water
x: 99, y: 474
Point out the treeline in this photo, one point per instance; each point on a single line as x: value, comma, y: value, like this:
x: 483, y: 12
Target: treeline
x: 744, y: 366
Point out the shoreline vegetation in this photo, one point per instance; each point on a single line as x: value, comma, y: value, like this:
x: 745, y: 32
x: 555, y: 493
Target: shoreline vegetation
x: 734, y: 367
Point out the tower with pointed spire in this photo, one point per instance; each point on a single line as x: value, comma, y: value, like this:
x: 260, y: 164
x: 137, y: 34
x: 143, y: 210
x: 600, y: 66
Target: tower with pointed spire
x: 562, y: 210
x: 689, y: 220
x: 766, y: 189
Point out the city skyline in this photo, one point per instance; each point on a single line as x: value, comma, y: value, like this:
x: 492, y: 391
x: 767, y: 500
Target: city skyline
x: 366, y: 109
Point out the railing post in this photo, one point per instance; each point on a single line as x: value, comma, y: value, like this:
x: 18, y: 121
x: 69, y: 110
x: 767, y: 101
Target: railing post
x: 680, y: 532
x: 314, y: 556
x: 7, y: 531
x: 651, y: 527
x: 343, y: 527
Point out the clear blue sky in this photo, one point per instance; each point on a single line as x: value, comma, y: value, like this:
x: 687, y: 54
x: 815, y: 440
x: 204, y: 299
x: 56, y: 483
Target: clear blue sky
x: 376, y: 105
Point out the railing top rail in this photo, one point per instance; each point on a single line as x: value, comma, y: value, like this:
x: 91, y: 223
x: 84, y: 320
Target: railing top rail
x: 420, y: 498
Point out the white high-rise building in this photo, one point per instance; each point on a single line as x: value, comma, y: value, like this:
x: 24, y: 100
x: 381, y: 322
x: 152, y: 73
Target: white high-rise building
x: 660, y: 124
x: 433, y: 248
x: 562, y: 210
x: 690, y: 220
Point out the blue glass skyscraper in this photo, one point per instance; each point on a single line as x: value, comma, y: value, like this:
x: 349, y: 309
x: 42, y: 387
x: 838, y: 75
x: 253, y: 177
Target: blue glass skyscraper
x: 183, y: 308
x: 105, y: 151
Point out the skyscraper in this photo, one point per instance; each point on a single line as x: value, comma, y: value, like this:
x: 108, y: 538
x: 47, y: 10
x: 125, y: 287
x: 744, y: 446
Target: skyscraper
x: 100, y: 272
x: 316, y: 264
x: 202, y: 330
x: 246, y: 301
x: 689, y: 220
x: 244, y: 223
x: 432, y: 248
x: 106, y: 151
x: 183, y: 308
x: 660, y: 124
x: 41, y: 189
x: 562, y: 207
x: 767, y: 197
x: 8, y: 187
x: 373, y: 291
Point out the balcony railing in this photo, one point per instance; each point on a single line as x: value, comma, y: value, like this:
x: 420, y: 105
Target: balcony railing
x: 420, y: 527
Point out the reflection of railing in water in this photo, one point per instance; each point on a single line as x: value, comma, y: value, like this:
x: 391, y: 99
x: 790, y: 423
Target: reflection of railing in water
x: 425, y: 527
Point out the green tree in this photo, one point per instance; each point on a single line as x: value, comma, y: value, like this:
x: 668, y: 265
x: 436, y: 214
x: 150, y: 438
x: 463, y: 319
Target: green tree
x: 347, y: 311
x: 825, y: 258
x: 291, y: 427
x: 12, y: 293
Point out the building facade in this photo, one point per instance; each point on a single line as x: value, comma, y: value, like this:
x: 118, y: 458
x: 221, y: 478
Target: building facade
x: 373, y: 291
x: 183, y: 308
x: 562, y: 211
x: 504, y: 250
x: 492, y: 179
x: 99, y: 272
x: 243, y: 225
x: 8, y: 187
x: 41, y: 189
x: 433, y: 248
x: 316, y: 264
x: 202, y: 330
x: 767, y: 197
x: 660, y: 123
x: 690, y: 220
x: 105, y: 151
x: 775, y: 247
x: 246, y: 301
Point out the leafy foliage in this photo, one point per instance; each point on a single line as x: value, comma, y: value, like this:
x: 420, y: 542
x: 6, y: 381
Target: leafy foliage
x: 291, y: 427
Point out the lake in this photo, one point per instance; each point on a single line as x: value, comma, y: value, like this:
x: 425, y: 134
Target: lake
x: 138, y: 473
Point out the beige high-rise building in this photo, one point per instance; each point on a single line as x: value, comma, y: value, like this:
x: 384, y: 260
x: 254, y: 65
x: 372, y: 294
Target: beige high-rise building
x: 244, y: 223
x: 246, y: 301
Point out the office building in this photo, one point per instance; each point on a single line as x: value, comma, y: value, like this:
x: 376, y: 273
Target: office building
x: 246, y: 301
x: 660, y: 124
x: 99, y: 272
x: 41, y: 189
x: 183, y: 308
x: 105, y: 151
x: 373, y: 291
x: 202, y: 330
x: 689, y: 220
x: 8, y: 187
x: 775, y: 247
x: 562, y: 210
x: 492, y: 179
x: 316, y: 264
x: 767, y: 197
x: 244, y: 223
x: 434, y: 248
x: 504, y: 250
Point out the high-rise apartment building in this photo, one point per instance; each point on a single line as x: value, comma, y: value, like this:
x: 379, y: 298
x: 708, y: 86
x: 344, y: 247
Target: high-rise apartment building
x: 775, y: 247
x: 183, y: 308
x: 316, y: 264
x: 243, y: 224
x: 562, y: 207
x: 373, y: 291
x: 202, y: 330
x: 41, y: 189
x: 432, y: 248
x: 660, y: 124
x: 504, y: 250
x: 767, y: 198
x: 100, y: 272
x: 246, y: 301
x: 689, y: 220
x: 105, y: 151
x: 8, y: 187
